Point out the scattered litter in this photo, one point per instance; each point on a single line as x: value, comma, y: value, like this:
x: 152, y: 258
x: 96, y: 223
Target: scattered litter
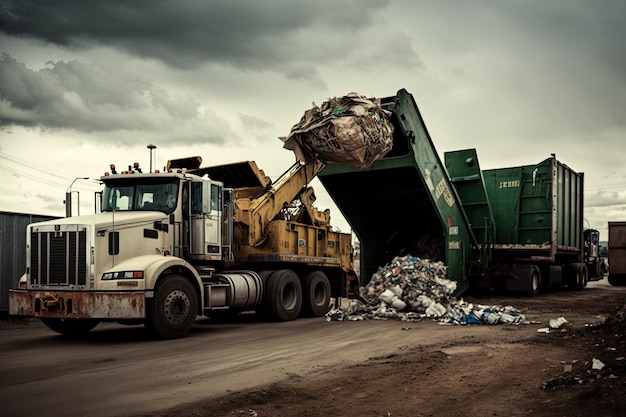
x: 557, y: 323
x: 597, y: 364
x: 575, y: 373
x: 554, y: 324
x: 412, y: 289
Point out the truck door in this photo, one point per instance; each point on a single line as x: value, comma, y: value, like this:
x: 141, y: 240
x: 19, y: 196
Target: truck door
x: 205, y: 220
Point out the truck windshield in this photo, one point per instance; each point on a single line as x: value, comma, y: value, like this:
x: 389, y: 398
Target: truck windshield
x: 141, y: 196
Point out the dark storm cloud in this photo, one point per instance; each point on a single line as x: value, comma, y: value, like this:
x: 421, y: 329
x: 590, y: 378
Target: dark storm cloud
x: 260, y: 35
x: 539, y: 70
x: 87, y: 98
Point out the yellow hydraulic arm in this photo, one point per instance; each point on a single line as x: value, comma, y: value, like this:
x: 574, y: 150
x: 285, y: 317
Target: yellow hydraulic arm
x: 258, y: 199
x: 259, y: 210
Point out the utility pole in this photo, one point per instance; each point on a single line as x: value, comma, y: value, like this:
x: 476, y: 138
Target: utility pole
x: 151, y: 147
x: 68, y: 198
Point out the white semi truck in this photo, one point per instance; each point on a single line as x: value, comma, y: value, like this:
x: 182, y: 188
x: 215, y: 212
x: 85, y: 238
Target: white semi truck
x: 169, y: 246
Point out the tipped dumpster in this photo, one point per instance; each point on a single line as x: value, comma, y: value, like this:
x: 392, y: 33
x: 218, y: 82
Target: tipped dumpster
x: 516, y: 228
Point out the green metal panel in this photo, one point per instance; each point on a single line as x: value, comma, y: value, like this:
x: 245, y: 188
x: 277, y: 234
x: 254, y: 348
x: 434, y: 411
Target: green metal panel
x: 570, y: 206
x: 536, y: 204
x: 464, y: 171
x: 404, y: 203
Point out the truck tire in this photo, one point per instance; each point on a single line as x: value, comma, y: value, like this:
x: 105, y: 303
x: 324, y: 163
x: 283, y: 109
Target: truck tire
x: 584, y: 276
x: 617, y: 280
x: 576, y: 276
x: 284, y: 295
x: 172, y: 311
x: 534, y: 283
x: 594, y: 270
x: 315, y: 294
x: 71, y: 327
x: 262, y: 309
x: 523, y: 278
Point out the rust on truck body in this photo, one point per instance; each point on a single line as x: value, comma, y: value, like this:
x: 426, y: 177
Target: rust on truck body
x: 77, y: 304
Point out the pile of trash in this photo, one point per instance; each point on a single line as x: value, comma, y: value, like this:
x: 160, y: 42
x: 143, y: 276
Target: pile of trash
x: 412, y: 289
x: 351, y: 130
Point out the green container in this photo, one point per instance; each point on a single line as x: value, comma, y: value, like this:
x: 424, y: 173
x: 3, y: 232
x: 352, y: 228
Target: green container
x: 537, y: 207
x: 404, y: 203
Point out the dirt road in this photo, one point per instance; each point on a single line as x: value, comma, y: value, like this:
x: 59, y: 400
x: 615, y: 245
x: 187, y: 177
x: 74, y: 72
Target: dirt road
x: 311, y: 367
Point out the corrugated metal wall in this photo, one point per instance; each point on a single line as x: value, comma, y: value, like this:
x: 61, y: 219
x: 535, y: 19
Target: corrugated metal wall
x: 13, y: 250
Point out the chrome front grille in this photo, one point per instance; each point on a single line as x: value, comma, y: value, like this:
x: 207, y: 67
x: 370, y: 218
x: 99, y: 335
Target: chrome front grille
x: 58, y: 258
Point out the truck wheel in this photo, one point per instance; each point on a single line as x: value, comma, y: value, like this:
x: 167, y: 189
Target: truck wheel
x: 594, y: 270
x: 534, y: 283
x: 576, y: 274
x: 172, y: 311
x: 617, y: 280
x: 584, y: 276
x: 316, y: 293
x: 262, y: 309
x: 71, y: 327
x: 284, y: 295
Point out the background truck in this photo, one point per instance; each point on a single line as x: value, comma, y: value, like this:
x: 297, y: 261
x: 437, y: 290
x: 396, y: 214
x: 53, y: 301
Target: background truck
x: 168, y: 246
x: 617, y: 253
x: 518, y: 228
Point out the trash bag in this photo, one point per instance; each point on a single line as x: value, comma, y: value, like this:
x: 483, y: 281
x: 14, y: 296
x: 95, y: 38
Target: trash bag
x: 351, y: 130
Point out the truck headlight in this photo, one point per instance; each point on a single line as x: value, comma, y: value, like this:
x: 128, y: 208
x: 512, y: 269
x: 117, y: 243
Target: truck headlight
x: 122, y: 275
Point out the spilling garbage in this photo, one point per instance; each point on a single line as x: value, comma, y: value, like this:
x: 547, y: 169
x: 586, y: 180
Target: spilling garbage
x: 413, y: 289
x: 351, y: 130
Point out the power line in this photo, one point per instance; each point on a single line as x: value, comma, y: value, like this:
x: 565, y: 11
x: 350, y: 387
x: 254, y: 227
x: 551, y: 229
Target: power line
x: 22, y: 174
x: 39, y: 168
x: 24, y: 165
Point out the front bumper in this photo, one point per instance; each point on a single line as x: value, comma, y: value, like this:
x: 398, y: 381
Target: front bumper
x: 77, y: 304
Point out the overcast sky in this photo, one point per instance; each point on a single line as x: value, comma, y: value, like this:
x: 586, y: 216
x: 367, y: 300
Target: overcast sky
x: 87, y: 83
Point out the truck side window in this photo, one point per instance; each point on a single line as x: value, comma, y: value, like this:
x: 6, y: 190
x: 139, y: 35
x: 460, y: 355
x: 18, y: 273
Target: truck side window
x: 215, y: 198
x: 196, y: 197
x: 186, y: 199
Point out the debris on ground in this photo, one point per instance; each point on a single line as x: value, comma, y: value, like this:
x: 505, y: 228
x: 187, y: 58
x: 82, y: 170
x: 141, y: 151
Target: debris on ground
x: 607, y: 365
x: 553, y: 325
x: 580, y: 373
x: 412, y: 289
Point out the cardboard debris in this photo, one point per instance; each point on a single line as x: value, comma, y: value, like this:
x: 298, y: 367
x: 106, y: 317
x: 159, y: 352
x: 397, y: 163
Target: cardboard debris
x: 351, y: 130
x: 411, y: 289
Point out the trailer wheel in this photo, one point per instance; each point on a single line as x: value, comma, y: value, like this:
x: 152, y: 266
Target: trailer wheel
x: 617, y: 280
x: 576, y: 274
x: 284, y: 295
x: 70, y: 327
x: 584, y: 276
x: 523, y: 278
x: 534, y: 283
x: 172, y: 311
x: 316, y: 293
